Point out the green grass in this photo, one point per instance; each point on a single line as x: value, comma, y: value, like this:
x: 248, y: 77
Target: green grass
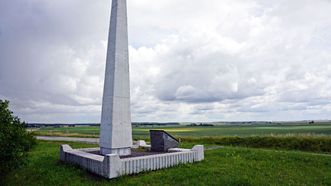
x: 227, y: 166
x: 184, y: 131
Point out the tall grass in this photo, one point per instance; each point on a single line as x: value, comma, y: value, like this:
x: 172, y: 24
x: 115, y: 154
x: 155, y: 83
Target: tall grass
x: 302, y: 143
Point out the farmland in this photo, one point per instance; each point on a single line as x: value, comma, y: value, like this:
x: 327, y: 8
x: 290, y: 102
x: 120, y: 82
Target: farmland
x: 198, y: 132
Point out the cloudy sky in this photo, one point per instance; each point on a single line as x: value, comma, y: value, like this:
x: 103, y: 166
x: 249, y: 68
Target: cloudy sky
x: 190, y: 60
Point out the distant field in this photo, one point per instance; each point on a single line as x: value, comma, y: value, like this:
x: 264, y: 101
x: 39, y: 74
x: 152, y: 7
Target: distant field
x: 226, y: 166
x: 216, y: 131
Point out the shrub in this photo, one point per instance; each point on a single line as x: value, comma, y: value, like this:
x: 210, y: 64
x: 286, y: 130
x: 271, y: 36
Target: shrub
x: 310, y: 144
x: 15, y: 141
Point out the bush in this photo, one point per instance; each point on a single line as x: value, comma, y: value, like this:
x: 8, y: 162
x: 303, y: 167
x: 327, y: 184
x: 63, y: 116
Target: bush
x: 15, y: 141
x: 310, y: 144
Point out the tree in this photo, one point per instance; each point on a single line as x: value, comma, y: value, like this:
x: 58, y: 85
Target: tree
x: 15, y: 141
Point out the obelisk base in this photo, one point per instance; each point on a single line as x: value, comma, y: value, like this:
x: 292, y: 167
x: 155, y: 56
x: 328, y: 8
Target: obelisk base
x: 113, y: 166
x: 120, y: 151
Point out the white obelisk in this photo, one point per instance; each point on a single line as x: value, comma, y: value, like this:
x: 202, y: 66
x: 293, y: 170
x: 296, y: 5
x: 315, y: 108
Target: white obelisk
x: 116, y: 129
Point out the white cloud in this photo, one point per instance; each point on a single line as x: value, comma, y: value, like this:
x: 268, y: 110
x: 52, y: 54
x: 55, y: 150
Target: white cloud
x: 190, y: 60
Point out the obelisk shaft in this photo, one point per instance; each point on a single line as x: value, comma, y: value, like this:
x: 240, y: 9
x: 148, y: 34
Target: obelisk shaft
x: 116, y: 129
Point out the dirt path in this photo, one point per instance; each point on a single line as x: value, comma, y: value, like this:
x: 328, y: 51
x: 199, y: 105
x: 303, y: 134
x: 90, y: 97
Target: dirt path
x: 69, y: 139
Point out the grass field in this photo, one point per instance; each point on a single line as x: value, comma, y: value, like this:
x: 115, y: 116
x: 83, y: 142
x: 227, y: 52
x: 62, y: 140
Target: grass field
x: 216, y: 131
x: 227, y: 166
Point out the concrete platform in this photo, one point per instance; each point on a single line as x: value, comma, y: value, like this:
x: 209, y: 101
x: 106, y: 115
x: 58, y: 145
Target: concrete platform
x: 113, y: 166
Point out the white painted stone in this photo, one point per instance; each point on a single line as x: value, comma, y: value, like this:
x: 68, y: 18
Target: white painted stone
x: 116, y: 130
x: 141, y: 143
x: 114, y: 165
x: 63, y: 150
x: 200, y: 150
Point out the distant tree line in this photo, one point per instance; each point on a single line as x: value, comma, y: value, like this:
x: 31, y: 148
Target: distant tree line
x: 201, y: 125
x: 154, y: 124
x: 59, y: 125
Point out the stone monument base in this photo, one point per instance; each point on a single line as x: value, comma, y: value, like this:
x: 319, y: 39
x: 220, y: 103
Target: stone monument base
x: 113, y: 166
x: 121, y: 151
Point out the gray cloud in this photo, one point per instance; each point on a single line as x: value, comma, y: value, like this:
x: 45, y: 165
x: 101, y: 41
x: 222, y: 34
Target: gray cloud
x: 216, y: 60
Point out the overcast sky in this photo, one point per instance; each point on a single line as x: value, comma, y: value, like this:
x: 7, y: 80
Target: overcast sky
x: 190, y: 60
